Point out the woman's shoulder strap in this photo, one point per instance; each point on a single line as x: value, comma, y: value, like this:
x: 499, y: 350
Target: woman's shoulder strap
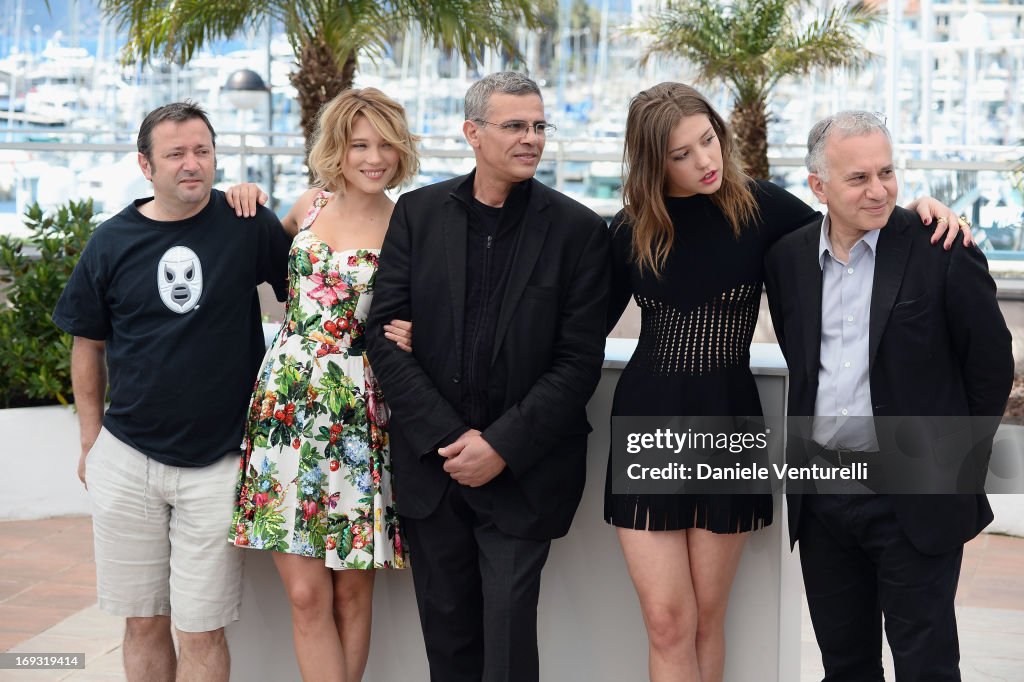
x: 319, y: 201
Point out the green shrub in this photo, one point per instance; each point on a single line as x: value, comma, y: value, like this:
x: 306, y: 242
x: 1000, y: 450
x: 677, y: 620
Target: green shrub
x: 35, y: 356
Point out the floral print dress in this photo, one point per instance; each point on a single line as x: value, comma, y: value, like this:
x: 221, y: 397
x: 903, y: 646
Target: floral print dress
x: 315, y: 473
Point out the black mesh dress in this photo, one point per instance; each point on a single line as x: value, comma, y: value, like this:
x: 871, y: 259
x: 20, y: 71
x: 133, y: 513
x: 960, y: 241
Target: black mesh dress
x: 693, y: 354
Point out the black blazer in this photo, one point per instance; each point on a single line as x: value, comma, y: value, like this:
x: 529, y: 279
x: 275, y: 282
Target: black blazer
x: 546, y: 362
x: 938, y: 346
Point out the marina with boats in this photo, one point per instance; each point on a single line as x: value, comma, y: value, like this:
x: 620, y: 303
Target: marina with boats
x: 947, y: 76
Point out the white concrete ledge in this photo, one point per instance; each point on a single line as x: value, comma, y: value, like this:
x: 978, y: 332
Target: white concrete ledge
x: 590, y: 626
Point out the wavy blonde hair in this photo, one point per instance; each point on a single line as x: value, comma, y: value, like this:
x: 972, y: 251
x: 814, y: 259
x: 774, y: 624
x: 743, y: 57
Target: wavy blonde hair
x: 653, y: 115
x: 333, y: 133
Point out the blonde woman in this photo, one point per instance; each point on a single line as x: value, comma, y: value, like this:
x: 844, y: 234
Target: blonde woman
x: 689, y: 246
x: 315, y: 485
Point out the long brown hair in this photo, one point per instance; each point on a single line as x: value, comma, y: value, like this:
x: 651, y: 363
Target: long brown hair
x: 653, y: 114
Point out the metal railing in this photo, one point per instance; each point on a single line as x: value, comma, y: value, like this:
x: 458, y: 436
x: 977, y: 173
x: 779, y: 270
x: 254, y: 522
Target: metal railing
x: 986, y: 186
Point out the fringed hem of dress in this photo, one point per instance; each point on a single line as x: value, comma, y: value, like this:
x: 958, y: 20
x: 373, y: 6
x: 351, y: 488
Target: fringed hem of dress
x: 722, y: 514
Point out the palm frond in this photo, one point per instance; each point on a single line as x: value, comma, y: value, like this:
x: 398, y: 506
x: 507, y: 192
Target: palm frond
x: 469, y: 25
x: 759, y: 25
x: 175, y: 29
x: 748, y: 45
x: 327, y: 36
x: 682, y: 30
x: 694, y: 31
x: 723, y: 43
x: 831, y: 41
x: 346, y: 27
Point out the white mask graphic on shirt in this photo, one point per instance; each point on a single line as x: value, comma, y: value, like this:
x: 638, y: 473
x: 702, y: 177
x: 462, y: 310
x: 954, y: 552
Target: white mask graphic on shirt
x: 179, y: 277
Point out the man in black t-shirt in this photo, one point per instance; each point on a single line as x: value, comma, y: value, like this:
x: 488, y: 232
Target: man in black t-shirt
x: 164, y: 303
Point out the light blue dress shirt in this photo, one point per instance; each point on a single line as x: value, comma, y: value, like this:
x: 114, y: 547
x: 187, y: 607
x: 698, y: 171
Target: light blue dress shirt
x: 842, y: 408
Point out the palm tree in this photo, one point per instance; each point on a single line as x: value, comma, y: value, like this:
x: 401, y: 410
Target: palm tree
x: 751, y: 45
x: 326, y: 35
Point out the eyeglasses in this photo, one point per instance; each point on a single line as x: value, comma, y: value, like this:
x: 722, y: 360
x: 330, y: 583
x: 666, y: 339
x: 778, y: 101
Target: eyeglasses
x: 519, y: 128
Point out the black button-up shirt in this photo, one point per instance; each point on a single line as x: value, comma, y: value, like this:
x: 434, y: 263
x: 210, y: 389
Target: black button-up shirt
x: 491, y: 240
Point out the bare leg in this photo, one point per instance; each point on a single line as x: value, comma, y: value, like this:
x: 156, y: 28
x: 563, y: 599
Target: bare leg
x: 310, y: 590
x: 148, y: 650
x: 203, y: 656
x: 713, y: 562
x: 659, y: 565
x: 353, y: 612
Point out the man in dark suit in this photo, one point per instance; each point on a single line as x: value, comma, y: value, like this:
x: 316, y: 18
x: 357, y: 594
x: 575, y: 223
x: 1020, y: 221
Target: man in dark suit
x: 505, y: 282
x: 874, y: 322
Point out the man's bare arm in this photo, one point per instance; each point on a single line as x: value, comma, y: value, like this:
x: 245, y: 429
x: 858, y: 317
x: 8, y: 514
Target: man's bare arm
x: 89, y: 381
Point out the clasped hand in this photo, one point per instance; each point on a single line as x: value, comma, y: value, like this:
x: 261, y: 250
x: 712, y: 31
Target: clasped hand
x: 471, y: 461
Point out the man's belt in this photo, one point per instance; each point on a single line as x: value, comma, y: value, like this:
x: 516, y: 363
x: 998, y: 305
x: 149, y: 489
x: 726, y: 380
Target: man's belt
x: 845, y: 458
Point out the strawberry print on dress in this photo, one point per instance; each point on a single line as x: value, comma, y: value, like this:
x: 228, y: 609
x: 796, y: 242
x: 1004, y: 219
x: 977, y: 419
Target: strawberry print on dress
x: 315, y: 474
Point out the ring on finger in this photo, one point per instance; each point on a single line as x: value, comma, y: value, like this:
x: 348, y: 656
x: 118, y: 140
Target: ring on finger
x: 942, y: 219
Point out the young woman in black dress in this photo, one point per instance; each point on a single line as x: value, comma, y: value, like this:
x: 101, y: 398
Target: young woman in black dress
x: 689, y: 247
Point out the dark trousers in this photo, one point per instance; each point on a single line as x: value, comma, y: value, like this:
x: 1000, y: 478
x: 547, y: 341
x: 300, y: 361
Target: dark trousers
x: 477, y: 590
x: 859, y: 565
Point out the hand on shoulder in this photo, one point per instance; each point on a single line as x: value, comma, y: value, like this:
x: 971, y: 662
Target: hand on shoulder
x: 245, y: 198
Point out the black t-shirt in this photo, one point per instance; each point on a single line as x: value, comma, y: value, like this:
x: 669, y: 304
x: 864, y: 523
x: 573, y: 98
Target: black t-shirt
x: 176, y: 304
